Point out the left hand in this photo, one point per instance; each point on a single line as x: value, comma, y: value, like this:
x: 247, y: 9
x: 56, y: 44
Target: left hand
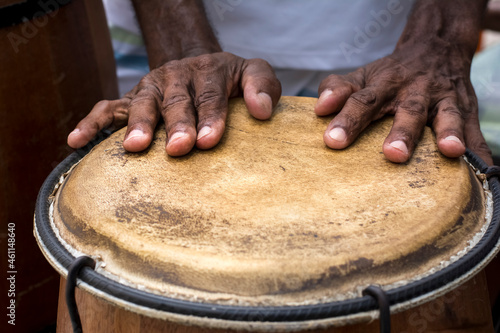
x: 418, y: 87
x: 191, y: 95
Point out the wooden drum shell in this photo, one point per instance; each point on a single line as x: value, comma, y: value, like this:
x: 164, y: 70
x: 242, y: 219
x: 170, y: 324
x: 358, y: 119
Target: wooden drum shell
x: 465, y: 309
x: 106, y: 231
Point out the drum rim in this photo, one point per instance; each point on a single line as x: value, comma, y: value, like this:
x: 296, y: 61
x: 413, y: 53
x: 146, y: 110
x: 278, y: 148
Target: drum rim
x: 476, y: 256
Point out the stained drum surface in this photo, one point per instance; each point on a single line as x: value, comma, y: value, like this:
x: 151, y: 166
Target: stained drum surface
x: 271, y: 215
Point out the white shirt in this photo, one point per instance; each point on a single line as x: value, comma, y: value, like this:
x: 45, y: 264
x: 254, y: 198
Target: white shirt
x: 309, y: 35
x: 304, y: 41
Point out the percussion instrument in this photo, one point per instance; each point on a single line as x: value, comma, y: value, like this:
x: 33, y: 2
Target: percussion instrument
x: 270, y: 231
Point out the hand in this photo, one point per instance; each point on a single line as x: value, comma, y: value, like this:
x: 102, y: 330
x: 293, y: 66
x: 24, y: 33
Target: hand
x: 424, y: 81
x: 415, y: 86
x: 191, y: 95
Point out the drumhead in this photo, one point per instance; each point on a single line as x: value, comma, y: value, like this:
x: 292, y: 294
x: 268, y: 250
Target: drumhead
x: 269, y: 226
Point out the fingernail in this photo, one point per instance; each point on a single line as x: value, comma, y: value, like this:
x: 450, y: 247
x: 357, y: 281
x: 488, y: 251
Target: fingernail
x: 454, y: 139
x: 399, y: 145
x: 265, y: 100
x: 75, y: 131
x: 337, y: 134
x: 324, y: 95
x: 176, y: 136
x: 134, y: 134
x: 204, y: 132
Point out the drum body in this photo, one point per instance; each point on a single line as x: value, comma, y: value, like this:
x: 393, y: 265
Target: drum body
x: 270, y: 231
x: 53, y: 68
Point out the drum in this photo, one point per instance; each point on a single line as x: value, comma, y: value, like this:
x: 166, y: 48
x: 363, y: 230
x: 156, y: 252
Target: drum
x: 270, y: 231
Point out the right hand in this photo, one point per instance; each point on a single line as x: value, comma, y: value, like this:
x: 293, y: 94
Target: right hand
x: 191, y: 95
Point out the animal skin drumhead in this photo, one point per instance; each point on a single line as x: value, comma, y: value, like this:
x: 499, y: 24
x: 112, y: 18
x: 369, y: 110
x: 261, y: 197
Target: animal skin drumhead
x: 270, y: 216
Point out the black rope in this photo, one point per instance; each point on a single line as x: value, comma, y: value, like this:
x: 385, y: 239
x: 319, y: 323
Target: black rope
x: 73, y: 271
x: 492, y: 171
x: 383, y: 303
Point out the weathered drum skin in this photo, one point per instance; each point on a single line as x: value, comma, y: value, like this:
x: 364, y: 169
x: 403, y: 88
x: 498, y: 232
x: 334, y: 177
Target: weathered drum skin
x: 271, y: 216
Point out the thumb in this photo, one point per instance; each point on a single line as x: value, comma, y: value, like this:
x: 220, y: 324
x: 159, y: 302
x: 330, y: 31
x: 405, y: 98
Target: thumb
x: 261, y: 88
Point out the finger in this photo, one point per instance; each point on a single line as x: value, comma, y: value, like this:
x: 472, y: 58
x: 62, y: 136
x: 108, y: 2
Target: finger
x: 103, y: 115
x: 261, y: 88
x: 179, y: 115
x: 409, y: 122
x: 449, y: 125
x: 334, y: 91
x: 211, y: 105
x: 143, y: 117
x: 357, y: 113
x: 475, y: 141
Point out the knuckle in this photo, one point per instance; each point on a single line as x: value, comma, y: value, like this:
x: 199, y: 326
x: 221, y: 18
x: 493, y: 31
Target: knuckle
x: 179, y: 125
x: 335, y: 77
x: 94, y: 127
x: 470, y: 107
x: 103, y: 105
x: 171, y: 68
x: 174, y: 101
x: 208, y: 98
x: 474, y: 139
x: 483, y: 147
x: 151, y: 81
x: 269, y: 84
x: 414, y: 108
x: 453, y: 111
x: 408, y: 135
x: 204, y: 62
x: 351, y: 123
x: 172, y: 64
x: 480, y: 147
x: 357, y: 78
x: 148, y: 122
x: 142, y: 99
x: 149, y: 92
x: 364, y: 97
x: 261, y: 63
x: 340, y: 84
x: 332, y: 80
x: 209, y: 117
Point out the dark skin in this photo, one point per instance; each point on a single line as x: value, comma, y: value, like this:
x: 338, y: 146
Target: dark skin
x: 492, y: 17
x: 189, y: 85
x: 424, y: 81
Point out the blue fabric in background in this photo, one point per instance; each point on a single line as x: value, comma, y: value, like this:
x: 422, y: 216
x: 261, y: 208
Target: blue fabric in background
x: 485, y: 77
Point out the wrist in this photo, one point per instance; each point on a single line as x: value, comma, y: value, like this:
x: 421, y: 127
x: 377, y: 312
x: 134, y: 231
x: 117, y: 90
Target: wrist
x: 175, y: 30
x: 446, y: 26
x: 197, y: 50
x: 158, y: 56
